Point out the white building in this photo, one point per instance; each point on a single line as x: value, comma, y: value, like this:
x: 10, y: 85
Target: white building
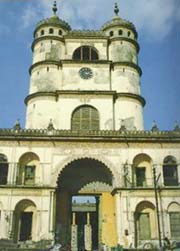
x: 84, y: 136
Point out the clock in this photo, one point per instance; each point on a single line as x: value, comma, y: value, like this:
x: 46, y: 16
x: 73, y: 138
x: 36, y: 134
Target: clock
x: 86, y: 73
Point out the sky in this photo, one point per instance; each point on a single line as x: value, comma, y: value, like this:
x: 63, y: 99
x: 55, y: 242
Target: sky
x: 158, y: 26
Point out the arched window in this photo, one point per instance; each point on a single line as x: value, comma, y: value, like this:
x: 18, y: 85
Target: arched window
x: 85, y: 118
x: 129, y: 33
x: 51, y: 31
x: 111, y: 33
x: 174, y: 219
x: 60, y: 32
x: 145, y: 222
x: 42, y: 32
x: 120, y: 32
x: 85, y: 53
x: 3, y: 169
x: 142, y: 170
x: 170, y: 171
x: 28, y: 168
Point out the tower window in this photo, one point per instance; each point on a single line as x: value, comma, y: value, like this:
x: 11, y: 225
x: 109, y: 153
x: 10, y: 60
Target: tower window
x: 129, y: 33
x: 85, y: 118
x: 51, y: 31
x: 120, y: 32
x: 85, y: 53
x: 111, y: 33
x: 42, y: 32
x: 60, y: 32
x: 47, y: 68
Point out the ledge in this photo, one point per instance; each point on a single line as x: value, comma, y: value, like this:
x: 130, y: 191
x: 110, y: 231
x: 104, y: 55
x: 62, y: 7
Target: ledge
x: 52, y: 37
x: 57, y: 93
x: 79, y: 62
x: 130, y: 40
x: 122, y: 136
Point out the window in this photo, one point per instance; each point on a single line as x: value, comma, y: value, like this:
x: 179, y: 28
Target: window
x: 85, y: 53
x: 29, y: 175
x: 129, y: 33
x: 144, y: 226
x: 111, y: 33
x: 51, y: 31
x: 42, y: 32
x: 60, y: 32
x: 85, y: 118
x: 140, y: 176
x: 3, y: 169
x: 120, y: 32
x: 170, y: 171
x: 175, y: 224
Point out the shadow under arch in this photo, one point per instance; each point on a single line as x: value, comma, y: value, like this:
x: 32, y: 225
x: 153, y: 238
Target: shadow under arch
x: 74, y: 178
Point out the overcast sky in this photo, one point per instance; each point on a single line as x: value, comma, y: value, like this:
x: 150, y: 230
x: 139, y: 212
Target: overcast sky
x: 158, y: 25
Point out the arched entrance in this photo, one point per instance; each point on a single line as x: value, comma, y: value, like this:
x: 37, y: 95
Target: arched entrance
x: 85, y: 223
x: 25, y: 216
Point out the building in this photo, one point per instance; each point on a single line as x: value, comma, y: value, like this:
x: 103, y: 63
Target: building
x: 84, y: 136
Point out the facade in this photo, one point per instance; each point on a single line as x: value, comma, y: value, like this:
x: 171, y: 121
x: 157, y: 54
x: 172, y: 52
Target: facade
x: 84, y: 136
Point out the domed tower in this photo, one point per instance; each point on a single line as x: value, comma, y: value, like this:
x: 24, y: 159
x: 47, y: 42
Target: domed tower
x: 125, y: 75
x: 48, y: 49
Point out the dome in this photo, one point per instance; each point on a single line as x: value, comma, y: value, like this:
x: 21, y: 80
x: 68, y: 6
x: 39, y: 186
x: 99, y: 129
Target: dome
x: 54, y: 21
x: 118, y: 21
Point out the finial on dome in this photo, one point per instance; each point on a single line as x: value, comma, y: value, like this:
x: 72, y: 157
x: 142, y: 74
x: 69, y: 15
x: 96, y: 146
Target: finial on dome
x: 54, y: 8
x: 116, y: 9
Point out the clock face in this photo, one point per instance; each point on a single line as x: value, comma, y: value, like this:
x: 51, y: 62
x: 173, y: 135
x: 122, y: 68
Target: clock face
x: 86, y: 73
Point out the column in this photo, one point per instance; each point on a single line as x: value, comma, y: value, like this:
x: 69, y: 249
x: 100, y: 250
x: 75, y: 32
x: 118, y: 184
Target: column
x: 74, y: 234
x: 118, y: 217
x: 88, y: 234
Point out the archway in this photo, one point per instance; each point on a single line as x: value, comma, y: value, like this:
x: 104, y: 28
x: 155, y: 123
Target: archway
x: 25, y: 217
x: 145, y: 223
x: 84, y: 178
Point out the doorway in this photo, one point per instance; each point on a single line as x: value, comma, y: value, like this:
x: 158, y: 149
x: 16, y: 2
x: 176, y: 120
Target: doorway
x: 26, y: 226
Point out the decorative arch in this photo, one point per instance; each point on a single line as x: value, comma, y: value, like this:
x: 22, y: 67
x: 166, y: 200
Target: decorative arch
x: 4, y: 166
x: 145, y: 222
x: 67, y: 161
x: 170, y: 172
x: 142, y: 170
x: 174, y: 219
x: 25, y: 220
x: 85, y: 117
x: 85, y: 53
x: 29, y: 168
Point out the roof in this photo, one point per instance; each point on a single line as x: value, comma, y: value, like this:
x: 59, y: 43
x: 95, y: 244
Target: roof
x: 118, y: 21
x: 55, y: 21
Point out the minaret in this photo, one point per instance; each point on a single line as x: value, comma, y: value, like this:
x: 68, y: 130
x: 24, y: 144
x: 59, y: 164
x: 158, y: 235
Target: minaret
x: 48, y: 49
x: 125, y: 74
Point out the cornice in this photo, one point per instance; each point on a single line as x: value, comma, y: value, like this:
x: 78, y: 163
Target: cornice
x: 121, y: 136
x: 79, y: 62
x: 134, y: 42
x: 52, y: 37
x: 57, y: 93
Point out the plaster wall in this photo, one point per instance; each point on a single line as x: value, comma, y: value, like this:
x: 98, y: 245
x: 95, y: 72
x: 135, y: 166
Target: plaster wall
x: 128, y: 112
x: 48, y: 50
x: 122, y: 51
x: 46, y: 78
x: 99, y: 81
x: 125, y: 79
